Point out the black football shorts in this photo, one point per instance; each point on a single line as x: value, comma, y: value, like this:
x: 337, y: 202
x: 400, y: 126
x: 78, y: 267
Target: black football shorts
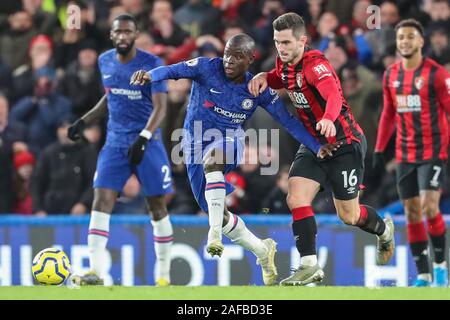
x: 343, y: 172
x: 414, y: 177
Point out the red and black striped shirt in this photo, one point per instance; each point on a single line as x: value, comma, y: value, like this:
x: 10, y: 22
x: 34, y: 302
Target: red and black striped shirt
x: 416, y: 101
x: 315, y: 90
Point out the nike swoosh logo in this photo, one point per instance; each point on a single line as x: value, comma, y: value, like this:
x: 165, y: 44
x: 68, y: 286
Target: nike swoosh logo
x: 165, y: 186
x: 214, y: 91
x: 107, y: 76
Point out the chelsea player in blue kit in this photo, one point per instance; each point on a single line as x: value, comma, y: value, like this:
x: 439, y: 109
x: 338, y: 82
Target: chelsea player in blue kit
x: 220, y: 100
x: 133, y: 145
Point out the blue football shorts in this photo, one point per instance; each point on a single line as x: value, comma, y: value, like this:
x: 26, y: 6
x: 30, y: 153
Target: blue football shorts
x: 153, y: 173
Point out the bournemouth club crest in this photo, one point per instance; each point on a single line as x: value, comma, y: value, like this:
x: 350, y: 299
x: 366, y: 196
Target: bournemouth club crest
x: 419, y: 82
x: 298, y: 79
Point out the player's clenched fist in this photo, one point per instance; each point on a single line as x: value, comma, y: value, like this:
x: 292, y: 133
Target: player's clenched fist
x: 140, y: 77
x: 76, y: 129
x: 137, y: 149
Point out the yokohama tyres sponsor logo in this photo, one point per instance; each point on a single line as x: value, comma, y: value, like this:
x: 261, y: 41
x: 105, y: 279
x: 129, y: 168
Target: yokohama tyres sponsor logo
x: 237, y: 117
x: 131, y: 94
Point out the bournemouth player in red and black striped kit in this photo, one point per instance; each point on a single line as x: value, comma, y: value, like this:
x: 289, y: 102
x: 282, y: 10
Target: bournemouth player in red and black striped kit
x: 316, y: 93
x: 416, y: 100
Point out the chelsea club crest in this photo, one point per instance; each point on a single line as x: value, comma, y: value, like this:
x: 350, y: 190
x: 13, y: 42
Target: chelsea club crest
x: 247, y: 104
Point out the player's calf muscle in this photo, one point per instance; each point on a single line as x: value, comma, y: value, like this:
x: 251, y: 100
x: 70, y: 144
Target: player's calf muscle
x: 157, y: 207
x: 211, y: 164
x: 412, y: 210
x: 348, y: 211
x: 104, y: 200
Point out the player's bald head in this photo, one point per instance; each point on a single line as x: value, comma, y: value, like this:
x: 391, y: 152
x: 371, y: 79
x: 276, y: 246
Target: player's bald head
x: 243, y: 42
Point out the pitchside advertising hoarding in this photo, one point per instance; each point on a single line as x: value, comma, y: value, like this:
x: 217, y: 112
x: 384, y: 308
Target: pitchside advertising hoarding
x: 346, y: 254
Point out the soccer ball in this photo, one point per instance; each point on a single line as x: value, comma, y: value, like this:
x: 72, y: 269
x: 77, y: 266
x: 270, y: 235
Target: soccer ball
x: 51, y: 267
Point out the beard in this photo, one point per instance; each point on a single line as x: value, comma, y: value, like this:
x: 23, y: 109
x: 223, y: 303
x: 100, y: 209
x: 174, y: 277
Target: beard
x: 123, y: 51
x: 409, y: 55
x: 290, y: 59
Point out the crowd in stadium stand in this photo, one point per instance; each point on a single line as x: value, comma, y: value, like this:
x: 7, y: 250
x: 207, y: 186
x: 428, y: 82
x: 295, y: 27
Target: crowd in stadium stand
x: 49, y: 77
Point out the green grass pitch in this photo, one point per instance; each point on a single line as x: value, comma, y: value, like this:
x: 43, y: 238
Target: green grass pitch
x: 221, y: 293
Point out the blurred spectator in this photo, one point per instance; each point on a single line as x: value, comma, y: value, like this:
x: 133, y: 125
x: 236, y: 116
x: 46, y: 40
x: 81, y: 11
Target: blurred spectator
x: 12, y: 133
x: 181, y: 201
x: 5, y: 79
x: 131, y: 200
x: 139, y: 9
x: 14, y: 40
x: 178, y: 93
x: 94, y: 135
x: 360, y: 14
x: 24, y: 163
x: 233, y: 28
x: 382, y: 39
x: 342, y: 8
x: 81, y: 82
x: 44, y: 22
x: 6, y: 192
x: 275, y: 201
x: 440, y: 11
x: 62, y: 179
x: 439, y: 49
x: 326, y: 26
x: 263, y: 29
x: 145, y: 42
x: 197, y: 17
x: 257, y: 185
x: 187, y: 50
x: 162, y: 27
x: 235, y: 201
x: 337, y: 54
x: 390, y: 56
x: 315, y: 9
x: 365, y: 100
x: 73, y: 38
x: 40, y: 55
x: 353, y: 37
x: 104, y: 25
x: 41, y: 112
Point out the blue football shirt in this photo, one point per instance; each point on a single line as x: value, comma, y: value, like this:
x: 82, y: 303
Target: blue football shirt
x: 218, y: 103
x: 129, y: 106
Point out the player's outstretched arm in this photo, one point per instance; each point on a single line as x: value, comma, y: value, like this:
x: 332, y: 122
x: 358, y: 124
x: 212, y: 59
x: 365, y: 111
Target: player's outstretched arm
x: 270, y: 101
x: 140, y: 77
x: 386, y: 128
x: 75, y: 131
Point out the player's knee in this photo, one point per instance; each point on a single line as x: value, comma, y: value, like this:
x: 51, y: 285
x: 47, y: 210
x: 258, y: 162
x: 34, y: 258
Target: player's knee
x: 348, y: 211
x: 157, y: 207
x: 103, y: 204
x: 104, y: 200
x: 295, y: 201
x: 226, y: 218
x: 413, y: 214
x: 430, y: 209
x: 211, y: 166
x: 348, y: 216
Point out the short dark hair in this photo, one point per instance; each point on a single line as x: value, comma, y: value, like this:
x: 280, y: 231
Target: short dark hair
x: 126, y: 17
x: 291, y: 21
x: 411, y: 23
x: 244, y: 41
